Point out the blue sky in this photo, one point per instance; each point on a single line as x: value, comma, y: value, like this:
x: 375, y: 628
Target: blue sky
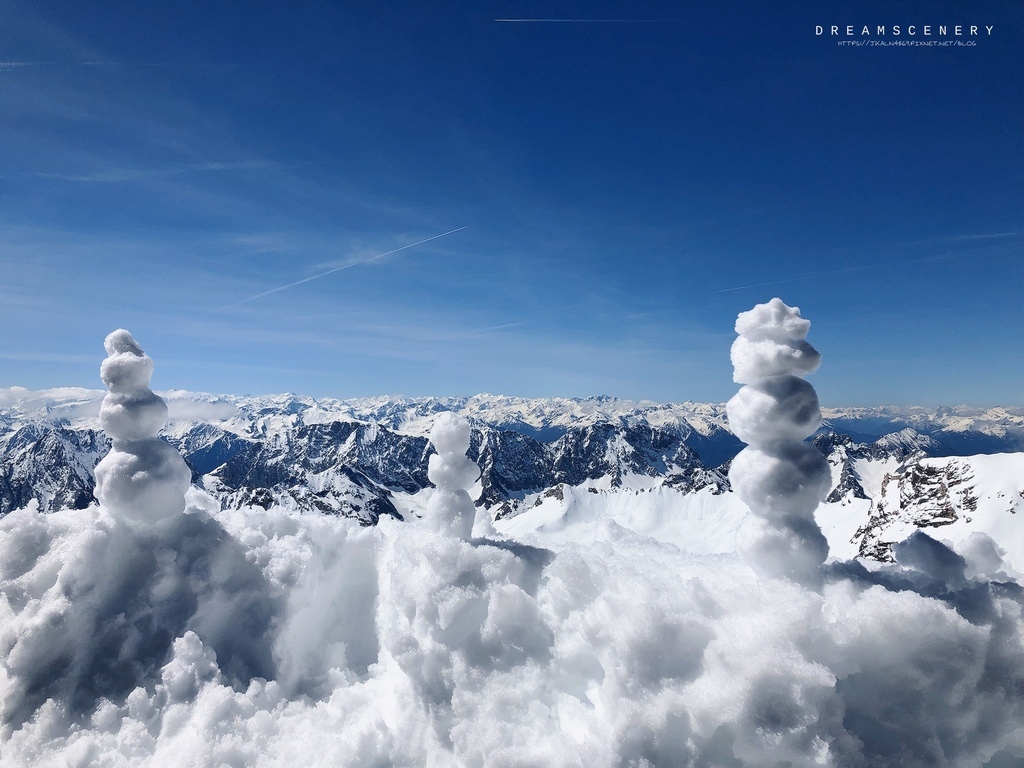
x: 626, y: 187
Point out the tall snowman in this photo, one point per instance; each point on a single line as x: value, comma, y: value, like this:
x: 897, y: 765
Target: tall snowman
x: 781, y: 478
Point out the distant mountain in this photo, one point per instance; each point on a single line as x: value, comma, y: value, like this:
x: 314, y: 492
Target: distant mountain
x: 366, y: 458
x: 49, y: 462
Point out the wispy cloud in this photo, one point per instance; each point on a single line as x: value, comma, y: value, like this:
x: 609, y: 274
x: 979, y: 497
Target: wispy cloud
x: 120, y: 175
x: 981, y: 236
x: 41, y: 357
x: 21, y: 64
x: 963, y: 252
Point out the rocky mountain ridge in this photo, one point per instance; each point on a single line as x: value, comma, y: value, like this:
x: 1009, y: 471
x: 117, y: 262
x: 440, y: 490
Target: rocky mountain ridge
x: 945, y: 496
x: 357, y: 458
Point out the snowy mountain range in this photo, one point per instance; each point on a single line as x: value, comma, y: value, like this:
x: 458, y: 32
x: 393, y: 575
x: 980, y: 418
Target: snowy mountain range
x: 364, y: 458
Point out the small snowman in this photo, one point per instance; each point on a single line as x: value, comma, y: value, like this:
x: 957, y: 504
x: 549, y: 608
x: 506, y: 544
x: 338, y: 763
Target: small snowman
x: 142, y: 479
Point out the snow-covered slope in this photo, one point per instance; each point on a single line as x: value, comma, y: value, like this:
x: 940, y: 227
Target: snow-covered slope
x: 950, y: 498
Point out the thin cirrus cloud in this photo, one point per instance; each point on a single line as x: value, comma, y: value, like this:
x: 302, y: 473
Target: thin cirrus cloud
x: 897, y: 263
x: 982, y: 236
x: 120, y: 175
x: 45, y: 357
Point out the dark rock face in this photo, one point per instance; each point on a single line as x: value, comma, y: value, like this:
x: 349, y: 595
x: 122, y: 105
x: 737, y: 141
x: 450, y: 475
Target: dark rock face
x: 848, y: 486
x: 50, y: 463
x: 511, y: 465
x: 207, y: 447
x: 841, y: 450
x: 352, y: 468
x: 922, y: 495
x: 335, y: 468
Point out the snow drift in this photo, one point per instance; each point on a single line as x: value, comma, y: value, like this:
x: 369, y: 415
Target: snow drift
x: 259, y: 637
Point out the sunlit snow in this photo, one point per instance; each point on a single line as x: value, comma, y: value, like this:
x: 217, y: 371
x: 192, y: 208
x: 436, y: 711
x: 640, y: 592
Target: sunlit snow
x: 209, y: 636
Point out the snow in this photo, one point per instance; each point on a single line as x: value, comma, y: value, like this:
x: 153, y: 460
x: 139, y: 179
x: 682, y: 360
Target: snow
x: 699, y: 523
x: 397, y: 645
x: 871, y: 473
x: 774, y: 408
x: 771, y: 342
x: 708, y: 523
x: 142, y: 478
x: 780, y: 478
x: 267, y: 638
x: 839, y: 522
x: 999, y: 513
x: 450, y: 508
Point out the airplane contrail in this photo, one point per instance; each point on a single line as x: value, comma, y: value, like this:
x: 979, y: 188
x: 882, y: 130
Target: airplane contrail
x: 587, y: 21
x: 317, y: 276
x: 792, y: 279
x: 4, y: 65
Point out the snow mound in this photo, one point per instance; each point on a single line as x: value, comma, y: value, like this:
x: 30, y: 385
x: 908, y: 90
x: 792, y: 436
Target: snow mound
x: 259, y: 638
